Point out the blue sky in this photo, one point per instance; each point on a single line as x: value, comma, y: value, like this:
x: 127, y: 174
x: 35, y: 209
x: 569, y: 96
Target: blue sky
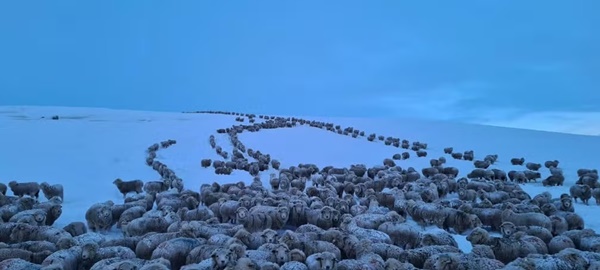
x: 493, y: 61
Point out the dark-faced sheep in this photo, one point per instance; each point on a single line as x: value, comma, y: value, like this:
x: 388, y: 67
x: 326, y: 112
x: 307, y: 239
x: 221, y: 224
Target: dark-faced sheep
x: 50, y: 191
x: 25, y: 188
x: 583, y: 192
x: 533, y: 166
x: 517, y: 161
x: 129, y: 186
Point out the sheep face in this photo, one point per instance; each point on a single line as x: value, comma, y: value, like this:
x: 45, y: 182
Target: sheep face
x: 326, y: 213
x: 507, y: 229
x: 477, y: 236
x: 220, y: 257
x: 88, y: 251
x: 280, y: 254
x: 269, y: 236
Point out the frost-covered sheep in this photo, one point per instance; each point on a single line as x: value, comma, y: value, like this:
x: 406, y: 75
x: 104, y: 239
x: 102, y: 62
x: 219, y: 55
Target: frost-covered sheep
x: 448, y: 150
x: 146, y: 224
x: 25, y: 188
x: 99, y: 216
x: 3, y: 189
x: 583, y: 192
x: 67, y: 259
x: 349, y: 225
x: 129, y: 186
x: 176, y: 250
x: 559, y: 243
x: 253, y: 222
x: 404, y: 235
x: 50, y: 191
x: 75, y: 228
x: 418, y: 256
x: 437, y: 238
x: 155, y: 187
x: 37, y: 215
x: 527, y: 219
x: 92, y: 253
x: 321, y: 261
x: 24, y: 232
x: 130, y: 214
x: 467, y: 195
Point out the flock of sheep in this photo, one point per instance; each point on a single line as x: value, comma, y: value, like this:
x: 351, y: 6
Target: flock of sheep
x: 309, y: 218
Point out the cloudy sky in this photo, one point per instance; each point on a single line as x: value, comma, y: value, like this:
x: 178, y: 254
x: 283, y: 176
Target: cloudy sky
x: 532, y: 64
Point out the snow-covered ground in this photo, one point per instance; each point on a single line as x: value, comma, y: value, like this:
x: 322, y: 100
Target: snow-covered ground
x: 88, y: 148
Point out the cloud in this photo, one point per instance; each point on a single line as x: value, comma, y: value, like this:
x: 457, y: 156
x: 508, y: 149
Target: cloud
x: 446, y: 102
x: 471, y: 102
x: 583, y: 123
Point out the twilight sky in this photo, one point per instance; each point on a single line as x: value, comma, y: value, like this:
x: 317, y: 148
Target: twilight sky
x: 532, y: 64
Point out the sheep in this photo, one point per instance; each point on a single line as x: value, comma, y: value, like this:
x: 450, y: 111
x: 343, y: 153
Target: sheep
x: 38, y: 215
x: 176, y: 250
x: 75, y: 228
x: 418, y: 256
x: 155, y: 187
x: 273, y: 253
x: 448, y: 150
x: 16, y: 263
x: 321, y: 261
x: 52, y: 190
x: 559, y: 243
x: 508, y: 249
x: 349, y: 225
x: 527, y: 219
x: 467, y: 195
x: 205, y: 163
x: 24, y: 232
x: 129, y: 186
x: 533, y: 166
x: 146, y: 224
x: 67, y: 259
x: 3, y: 188
x: 517, y: 161
x: 130, y: 214
x: 404, y: 235
x: 582, y: 192
x: 92, y: 253
x: 307, y: 245
x: 458, y: 220
x: 294, y: 265
x: 551, y: 164
x: 434, y: 238
x: 99, y: 216
x: 253, y: 222
x: 25, y: 188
